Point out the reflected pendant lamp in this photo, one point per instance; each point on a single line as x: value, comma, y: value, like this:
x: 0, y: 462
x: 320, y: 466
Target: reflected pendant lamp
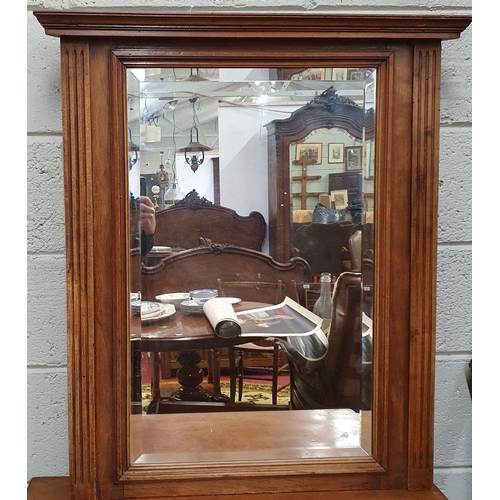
x: 194, y: 152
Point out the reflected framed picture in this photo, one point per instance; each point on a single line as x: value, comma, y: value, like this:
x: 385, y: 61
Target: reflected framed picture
x: 311, y: 151
x: 367, y: 161
x: 339, y: 199
x: 339, y: 74
x: 312, y: 74
x: 336, y: 153
x: 309, y: 74
x: 353, y: 158
x: 356, y: 74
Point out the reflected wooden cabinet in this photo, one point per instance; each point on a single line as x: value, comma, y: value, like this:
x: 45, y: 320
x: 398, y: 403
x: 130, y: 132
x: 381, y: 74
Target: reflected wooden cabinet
x: 96, y: 50
x: 328, y: 110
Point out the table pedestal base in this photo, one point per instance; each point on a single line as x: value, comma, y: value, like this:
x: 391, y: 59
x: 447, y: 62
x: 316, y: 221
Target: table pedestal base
x: 189, y: 376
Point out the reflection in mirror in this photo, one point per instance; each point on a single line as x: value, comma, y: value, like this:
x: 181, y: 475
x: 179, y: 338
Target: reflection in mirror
x: 223, y: 160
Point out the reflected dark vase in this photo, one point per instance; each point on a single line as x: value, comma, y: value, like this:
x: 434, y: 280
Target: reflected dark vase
x: 356, y: 211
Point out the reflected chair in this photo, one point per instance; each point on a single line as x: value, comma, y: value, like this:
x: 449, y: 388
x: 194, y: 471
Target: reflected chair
x: 312, y: 291
x: 336, y: 380
x: 259, y: 291
x: 362, y: 262
x: 267, y: 370
x: 355, y: 250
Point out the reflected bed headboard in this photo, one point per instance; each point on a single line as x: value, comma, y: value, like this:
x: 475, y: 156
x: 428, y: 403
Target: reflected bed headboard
x: 200, y: 267
x: 192, y: 218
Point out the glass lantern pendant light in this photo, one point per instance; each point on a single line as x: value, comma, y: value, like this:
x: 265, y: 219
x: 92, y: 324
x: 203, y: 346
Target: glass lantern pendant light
x: 194, y: 152
x: 174, y: 193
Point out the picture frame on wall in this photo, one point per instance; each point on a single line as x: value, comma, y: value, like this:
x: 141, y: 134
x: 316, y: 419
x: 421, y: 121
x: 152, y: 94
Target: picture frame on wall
x: 311, y: 151
x: 353, y: 158
x: 336, y: 152
x: 339, y: 198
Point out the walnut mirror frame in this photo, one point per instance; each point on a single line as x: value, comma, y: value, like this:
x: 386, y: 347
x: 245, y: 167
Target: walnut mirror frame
x: 96, y: 50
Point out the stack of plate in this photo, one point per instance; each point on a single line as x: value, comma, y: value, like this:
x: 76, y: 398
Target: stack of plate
x: 135, y: 304
x: 190, y: 306
x: 154, y: 311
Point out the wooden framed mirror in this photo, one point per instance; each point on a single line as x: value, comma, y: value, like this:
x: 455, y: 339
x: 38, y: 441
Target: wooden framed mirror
x: 97, y: 48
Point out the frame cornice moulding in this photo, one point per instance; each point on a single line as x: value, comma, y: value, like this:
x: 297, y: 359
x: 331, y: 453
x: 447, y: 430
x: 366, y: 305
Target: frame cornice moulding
x: 243, y: 25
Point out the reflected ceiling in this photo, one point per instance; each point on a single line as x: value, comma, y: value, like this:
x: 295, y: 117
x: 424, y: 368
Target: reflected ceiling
x: 163, y: 98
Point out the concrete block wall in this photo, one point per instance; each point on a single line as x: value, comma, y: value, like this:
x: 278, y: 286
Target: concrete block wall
x: 47, y: 445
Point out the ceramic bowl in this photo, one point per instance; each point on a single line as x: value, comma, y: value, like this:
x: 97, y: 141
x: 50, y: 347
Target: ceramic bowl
x: 203, y: 295
x: 173, y: 298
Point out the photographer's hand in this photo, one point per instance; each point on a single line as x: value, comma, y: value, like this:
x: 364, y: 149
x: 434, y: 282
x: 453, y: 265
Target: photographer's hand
x: 148, y: 217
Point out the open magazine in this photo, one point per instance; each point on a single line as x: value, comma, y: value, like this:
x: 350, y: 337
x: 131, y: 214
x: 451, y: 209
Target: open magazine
x: 288, y: 321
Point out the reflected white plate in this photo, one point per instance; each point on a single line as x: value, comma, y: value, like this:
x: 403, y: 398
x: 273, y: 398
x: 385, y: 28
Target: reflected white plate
x: 161, y: 250
x: 173, y: 298
x: 232, y: 300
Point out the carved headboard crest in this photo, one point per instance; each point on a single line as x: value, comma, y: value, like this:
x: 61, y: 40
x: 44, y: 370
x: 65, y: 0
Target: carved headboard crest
x: 215, y: 248
x: 329, y: 98
x: 193, y: 201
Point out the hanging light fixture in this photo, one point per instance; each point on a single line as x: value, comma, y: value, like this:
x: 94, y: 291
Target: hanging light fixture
x: 153, y: 133
x: 133, y: 150
x: 195, y: 76
x: 194, y: 152
x: 162, y: 179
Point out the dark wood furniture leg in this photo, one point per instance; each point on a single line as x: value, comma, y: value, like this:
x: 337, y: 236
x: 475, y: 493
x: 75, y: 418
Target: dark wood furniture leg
x: 136, y: 385
x: 165, y: 364
x: 216, y: 370
x: 155, y: 375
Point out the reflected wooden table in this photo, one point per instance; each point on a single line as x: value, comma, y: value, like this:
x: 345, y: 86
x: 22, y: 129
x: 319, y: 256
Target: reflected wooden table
x: 186, y: 334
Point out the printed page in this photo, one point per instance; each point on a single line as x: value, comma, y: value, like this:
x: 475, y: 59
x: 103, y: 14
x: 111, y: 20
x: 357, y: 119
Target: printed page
x: 289, y: 321
x: 283, y: 320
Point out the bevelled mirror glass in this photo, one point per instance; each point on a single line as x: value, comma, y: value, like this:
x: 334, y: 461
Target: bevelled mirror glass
x: 214, y: 141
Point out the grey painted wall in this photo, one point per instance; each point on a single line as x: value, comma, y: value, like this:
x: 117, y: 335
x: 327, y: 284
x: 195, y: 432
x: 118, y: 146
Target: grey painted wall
x: 47, y: 447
